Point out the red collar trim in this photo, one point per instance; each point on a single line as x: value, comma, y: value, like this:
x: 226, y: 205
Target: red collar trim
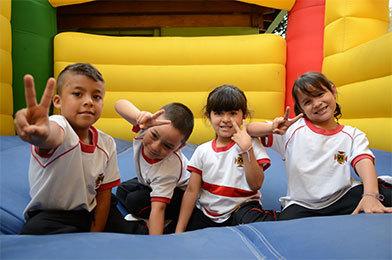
x: 322, y: 131
x: 90, y: 148
x: 222, y: 149
x: 149, y: 160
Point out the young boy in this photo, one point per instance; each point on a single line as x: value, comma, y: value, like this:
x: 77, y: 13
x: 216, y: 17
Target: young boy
x: 73, y: 166
x: 159, y: 163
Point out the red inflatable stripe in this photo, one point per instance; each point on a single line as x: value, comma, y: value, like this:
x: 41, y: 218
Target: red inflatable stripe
x: 305, y: 36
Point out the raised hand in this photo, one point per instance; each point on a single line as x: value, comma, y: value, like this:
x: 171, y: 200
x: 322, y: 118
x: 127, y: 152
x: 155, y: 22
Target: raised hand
x: 281, y: 124
x: 32, y: 122
x: 241, y: 136
x: 146, y: 119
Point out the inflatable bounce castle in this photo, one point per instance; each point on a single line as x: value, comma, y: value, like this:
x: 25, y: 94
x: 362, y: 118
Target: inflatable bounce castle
x: 347, y: 40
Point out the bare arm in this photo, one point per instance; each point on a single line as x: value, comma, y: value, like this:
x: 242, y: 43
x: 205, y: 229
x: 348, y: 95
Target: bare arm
x: 253, y: 172
x: 188, y: 202
x: 156, y: 221
x: 133, y: 115
x: 370, y: 202
x: 278, y: 126
x: 101, y: 211
x: 258, y: 129
x: 32, y: 123
x: 127, y: 110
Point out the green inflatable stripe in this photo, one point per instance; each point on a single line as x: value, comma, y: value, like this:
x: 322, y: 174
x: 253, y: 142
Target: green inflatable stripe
x: 34, y: 25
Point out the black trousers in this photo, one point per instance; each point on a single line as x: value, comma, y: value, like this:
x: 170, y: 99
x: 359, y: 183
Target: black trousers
x: 117, y: 224
x: 45, y: 222
x: 135, y: 197
x: 248, y: 212
x: 344, y: 206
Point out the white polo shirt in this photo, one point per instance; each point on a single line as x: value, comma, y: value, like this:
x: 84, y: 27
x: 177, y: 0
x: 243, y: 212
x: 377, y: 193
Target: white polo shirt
x: 224, y: 185
x: 318, y: 162
x: 162, y: 176
x: 68, y: 177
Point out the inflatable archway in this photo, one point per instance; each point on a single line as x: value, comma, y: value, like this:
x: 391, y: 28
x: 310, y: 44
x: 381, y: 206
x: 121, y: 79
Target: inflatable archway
x: 345, y: 40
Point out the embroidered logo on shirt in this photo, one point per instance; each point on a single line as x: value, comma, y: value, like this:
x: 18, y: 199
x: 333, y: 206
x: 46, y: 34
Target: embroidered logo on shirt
x: 99, y: 180
x: 340, y: 157
x: 239, y: 161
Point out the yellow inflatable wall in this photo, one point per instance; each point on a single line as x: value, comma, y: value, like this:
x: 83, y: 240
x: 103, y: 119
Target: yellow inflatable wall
x: 6, y: 103
x: 358, y: 59
x: 152, y: 72
x: 57, y: 3
x: 281, y: 4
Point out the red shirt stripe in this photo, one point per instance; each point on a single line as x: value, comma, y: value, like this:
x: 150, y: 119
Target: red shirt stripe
x: 227, y: 191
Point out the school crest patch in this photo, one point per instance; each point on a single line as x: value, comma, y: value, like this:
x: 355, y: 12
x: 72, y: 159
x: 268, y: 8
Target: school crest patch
x: 99, y: 180
x: 239, y: 161
x: 340, y: 157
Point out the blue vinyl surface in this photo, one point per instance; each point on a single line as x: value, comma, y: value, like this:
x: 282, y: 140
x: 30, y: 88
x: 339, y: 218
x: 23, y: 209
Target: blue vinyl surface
x: 362, y: 236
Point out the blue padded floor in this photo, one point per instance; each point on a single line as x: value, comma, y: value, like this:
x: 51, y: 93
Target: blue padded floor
x: 357, y: 237
x: 339, y: 237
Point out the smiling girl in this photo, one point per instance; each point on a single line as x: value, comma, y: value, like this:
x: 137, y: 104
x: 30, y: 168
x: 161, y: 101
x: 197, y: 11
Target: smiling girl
x: 318, y: 153
x: 226, y: 172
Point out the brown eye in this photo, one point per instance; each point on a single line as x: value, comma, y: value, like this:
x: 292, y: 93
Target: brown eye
x: 167, y: 147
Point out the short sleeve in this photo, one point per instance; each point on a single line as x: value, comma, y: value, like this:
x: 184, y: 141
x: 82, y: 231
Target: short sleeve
x: 278, y: 143
x: 195, y: 164
x: 112, y: 170
x: 360, y: 148
x: 166, y: 180
x: 260, y: 153
x: 163, y: 188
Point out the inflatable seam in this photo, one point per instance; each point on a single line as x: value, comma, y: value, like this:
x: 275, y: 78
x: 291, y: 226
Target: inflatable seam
x: 248, y: 243
x: 357, y: 17
x: 265, y: 242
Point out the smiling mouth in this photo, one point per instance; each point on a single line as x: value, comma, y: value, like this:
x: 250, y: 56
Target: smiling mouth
x: 87, y: 113
x: 321, y: 111
x: 152, y: 153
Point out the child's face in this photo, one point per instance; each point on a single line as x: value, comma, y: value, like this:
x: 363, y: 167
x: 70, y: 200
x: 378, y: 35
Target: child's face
x: 222, y: 122
x: 80, y: 101
x: 160, y: 141
x: 319, y: 109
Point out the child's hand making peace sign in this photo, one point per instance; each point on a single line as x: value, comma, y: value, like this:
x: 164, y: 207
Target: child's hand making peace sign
x: 241, y: 136
x: 281, y: 124
x: 146, y: 119
x: 32, y: 122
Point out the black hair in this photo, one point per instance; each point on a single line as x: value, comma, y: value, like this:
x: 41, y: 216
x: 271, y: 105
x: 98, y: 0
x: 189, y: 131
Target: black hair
x: 85, y: 69
x: 312, y: 84
x: 181, y: 118
x: 226, y: 98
